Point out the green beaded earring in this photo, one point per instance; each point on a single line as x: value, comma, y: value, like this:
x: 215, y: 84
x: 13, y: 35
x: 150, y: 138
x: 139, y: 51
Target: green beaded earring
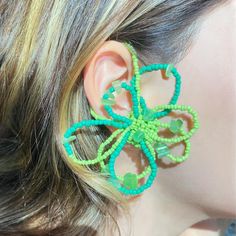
x: 140, y: 128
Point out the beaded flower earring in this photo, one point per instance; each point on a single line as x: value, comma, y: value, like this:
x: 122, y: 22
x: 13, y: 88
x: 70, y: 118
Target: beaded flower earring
x: 140, y: 128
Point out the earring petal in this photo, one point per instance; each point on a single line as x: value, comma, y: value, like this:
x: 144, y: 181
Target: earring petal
x: 179, y: 158
x: 102, y: 156
x: 130, y: 181
x: 182, y: 135
x: 69, y: 137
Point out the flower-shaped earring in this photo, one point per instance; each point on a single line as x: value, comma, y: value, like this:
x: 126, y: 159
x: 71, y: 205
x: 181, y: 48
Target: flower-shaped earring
x: 140, y: 128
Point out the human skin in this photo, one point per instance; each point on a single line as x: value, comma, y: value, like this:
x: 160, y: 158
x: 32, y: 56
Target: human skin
x: 204, y: 186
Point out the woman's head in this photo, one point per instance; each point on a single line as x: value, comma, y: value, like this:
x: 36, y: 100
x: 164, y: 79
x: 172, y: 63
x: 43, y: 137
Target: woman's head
x: 57, y: 57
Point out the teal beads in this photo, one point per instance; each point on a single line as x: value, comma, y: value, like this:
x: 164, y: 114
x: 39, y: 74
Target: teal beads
x: 168, y: 70
x: 175, y: 126
x: 130, y: 181
x: 138, y: 136
x: 161, y: 149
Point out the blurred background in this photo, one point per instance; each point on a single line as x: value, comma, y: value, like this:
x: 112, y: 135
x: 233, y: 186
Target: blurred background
x: 214, y: 227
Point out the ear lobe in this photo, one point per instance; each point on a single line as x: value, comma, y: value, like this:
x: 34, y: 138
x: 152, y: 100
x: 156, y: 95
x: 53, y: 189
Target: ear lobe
x: 112, y: 62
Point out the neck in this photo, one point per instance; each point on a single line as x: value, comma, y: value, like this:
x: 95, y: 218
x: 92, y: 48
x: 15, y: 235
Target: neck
x: 155, y: 213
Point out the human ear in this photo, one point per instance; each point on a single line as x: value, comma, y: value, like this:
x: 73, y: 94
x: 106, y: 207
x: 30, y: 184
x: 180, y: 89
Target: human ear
x: 112, y: 62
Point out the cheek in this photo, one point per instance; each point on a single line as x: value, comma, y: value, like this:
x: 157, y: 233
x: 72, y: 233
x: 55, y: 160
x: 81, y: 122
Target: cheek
x: 209, y: 86
x: 208, y: 73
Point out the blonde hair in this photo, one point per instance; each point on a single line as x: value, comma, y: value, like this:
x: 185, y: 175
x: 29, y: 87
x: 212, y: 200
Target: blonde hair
x: 44, y: 46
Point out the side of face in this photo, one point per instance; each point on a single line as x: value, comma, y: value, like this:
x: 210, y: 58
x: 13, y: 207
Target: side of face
x: 208, y: 177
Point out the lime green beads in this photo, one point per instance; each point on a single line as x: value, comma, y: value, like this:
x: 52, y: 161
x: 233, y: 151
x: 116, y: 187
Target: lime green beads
x: 140, y: 128
x: 161, y: 148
